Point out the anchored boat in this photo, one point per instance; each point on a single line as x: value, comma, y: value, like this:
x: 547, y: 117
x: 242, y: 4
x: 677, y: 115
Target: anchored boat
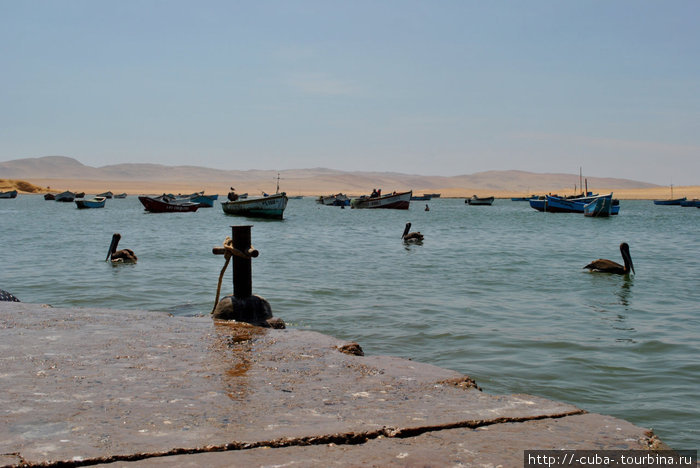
x: 397, y: 201
x: 271, y: 206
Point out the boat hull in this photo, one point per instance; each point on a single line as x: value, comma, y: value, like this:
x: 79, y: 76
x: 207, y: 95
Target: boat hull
x: 396, y: 201
x: 65, y: 197
x: 98, y: 202
x: 675, y: 201
x: 206, y: 201
x: 271, y: 207
x: 599, y: 208
x: 488, y: 201
x: 155, y: 205
x: 9, y: 194
x: 562, y: 205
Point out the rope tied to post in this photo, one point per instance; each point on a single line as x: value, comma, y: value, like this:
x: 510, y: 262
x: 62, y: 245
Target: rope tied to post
x: 228, y: 251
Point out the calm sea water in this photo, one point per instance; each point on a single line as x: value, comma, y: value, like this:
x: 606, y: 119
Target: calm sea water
x: 496, y: 292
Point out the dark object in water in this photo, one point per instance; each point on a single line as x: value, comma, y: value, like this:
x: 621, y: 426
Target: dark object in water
x: 411, y: 236
x: 120, y: 256
x: 7, y: 297
x: 608, y: 266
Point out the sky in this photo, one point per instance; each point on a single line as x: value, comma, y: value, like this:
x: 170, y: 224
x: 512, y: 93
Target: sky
x: 611, y: 87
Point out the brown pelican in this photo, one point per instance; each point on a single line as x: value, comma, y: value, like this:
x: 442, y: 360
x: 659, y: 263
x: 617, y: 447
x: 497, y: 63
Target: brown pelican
x: 120, y: 256
x: 608, y: 266
x: 411, y: 236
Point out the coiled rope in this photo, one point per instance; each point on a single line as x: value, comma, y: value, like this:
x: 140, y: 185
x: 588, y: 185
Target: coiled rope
x: 229, y: 251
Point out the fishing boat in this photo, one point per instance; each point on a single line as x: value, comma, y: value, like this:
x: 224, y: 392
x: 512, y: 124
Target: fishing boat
x: 554, y: 204
x: 673, y: 201
x: 693, y: 202
x: 97, y: 202
x: 206, y: 201
x: 165, y: 204
x: 670, y: 201
x: 80, y: 195
x: 65, y: 197
x: 120, y: 195
x: 105, y: 194
x: 599, y: 207
x: 432, y: 195
x: 474, y: 200
x: 49, y: 196
x: 424, y: 197
x: 339, y: 199
x: 397, y: 201
x: 271, y: 206
x: 9, y: 194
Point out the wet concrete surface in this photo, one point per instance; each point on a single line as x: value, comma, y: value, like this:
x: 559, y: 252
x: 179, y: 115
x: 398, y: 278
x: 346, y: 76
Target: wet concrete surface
x: 94, y: 386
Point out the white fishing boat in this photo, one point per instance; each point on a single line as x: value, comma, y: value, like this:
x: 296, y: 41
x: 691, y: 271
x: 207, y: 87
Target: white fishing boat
x: 271, y: 206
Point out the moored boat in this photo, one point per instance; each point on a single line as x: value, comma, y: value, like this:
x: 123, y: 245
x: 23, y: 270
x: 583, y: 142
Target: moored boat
x: 9, y: 194
x: 339, y: 199
x: 424, y: 197
x: 397, y: 201
x: 552, y: 204
x: 65, y: 197
x: 485, y: 201
x: 271, y: 206
x: 49, y: 196
x: 693, y: 202
x: 97, y: 202
x: 164, y: 204
x: 105, y: 194
x: 674, y: 201
x: 206, y: 201
x: 120, y: 195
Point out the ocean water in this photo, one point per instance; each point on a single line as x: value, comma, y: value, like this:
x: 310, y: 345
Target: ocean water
x: 496, y: 292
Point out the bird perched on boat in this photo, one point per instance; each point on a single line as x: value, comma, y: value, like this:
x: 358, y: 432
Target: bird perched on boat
x: 120, y: 256
x: 608, y: 266
x: 411, y: 236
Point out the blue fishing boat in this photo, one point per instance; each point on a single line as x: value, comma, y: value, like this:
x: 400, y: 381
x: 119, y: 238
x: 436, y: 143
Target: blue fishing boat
x: 9, y: 194
x: 205, y: 201
x: 97, y: 202
x: 552, y: 204
x: 674, y: 201
x: 693, y: 202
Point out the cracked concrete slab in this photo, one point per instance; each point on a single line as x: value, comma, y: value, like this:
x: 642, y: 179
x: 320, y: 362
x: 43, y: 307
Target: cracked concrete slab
x: 95, y: 385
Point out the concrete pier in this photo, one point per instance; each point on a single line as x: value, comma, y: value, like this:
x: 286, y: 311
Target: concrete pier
x: 83, y: 387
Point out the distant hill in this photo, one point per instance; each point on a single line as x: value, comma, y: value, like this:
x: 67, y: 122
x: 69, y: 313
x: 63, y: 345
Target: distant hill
x: 300, y: 180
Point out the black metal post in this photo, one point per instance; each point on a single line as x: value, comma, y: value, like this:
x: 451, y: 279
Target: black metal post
x: 242, y: 268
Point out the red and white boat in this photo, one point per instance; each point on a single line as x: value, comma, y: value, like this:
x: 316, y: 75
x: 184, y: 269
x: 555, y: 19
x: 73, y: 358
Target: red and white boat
x: 397, y: 201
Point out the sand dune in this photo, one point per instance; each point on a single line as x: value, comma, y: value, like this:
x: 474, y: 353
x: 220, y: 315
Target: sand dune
x: 58, y: 173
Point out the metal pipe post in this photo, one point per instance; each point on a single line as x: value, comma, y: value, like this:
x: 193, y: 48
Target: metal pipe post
x: 242, y: 269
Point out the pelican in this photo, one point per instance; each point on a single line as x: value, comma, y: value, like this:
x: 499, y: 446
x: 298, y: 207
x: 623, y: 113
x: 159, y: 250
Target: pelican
x: 608, y: 266
x: 411, y: 236
x: 121, y: 256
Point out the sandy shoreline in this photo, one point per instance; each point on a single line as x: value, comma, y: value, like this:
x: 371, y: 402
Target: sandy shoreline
x: 292, y: 188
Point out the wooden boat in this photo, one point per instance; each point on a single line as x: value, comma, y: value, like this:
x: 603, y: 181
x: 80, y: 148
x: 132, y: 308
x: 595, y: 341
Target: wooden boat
x: 552, y: 204
x: 65, y: 197
x: 164, y: 204
x: 474, y: 200
x: 120, y: 195
x: 206, y: 201
x: 80, y: 195
x: 339, y: 199
x: 432, y: 195
x: 105, y: 194
x: 531, y: 197
x: 674, y: 201
x: 423, y: 197
x: 9, y: 194
x: 97, y: 202
x: 397, y: 201
x: 693, y: 202
x: 599, y: 207
x: 49, y: 196
x: 271, y: 206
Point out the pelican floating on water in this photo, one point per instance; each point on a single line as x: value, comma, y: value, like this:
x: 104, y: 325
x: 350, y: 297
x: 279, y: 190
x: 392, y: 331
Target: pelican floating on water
x: 411, y: 236
x: 120, y: 256
x: 608, y: 266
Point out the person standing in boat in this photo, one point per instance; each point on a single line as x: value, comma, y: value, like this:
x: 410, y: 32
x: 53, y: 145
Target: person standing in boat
x: 232, y: 195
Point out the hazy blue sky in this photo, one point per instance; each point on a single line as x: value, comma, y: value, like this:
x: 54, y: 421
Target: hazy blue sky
x: 423, y: 87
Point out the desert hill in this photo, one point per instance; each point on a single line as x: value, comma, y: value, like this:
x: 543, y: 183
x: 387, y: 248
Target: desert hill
x: 62, y: 173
